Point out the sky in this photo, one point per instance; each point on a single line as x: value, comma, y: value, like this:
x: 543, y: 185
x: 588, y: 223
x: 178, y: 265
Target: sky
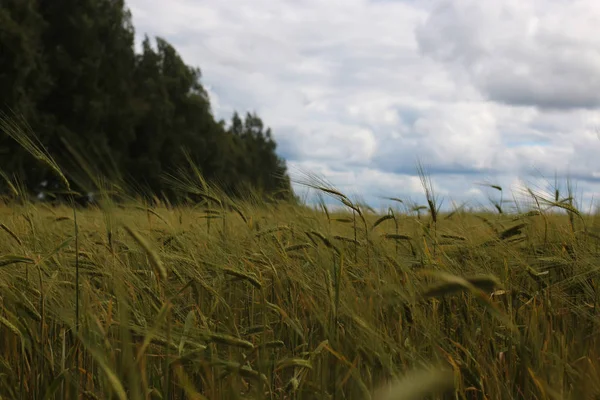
x: 358, y: 91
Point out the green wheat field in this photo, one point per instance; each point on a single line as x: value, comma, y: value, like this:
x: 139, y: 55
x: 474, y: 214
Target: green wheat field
x: 246, y: 299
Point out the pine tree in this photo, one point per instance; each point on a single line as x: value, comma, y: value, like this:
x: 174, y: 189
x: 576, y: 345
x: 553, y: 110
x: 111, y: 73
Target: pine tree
x: 70, y: 68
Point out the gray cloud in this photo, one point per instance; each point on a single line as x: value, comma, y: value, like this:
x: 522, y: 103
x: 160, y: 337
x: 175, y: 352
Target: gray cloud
x: 358, y: 90
x: 524, y: 53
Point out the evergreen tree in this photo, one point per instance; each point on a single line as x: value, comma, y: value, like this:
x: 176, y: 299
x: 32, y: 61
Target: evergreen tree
x: 23, y: 76
x: 89, y: 52
x: 257, y: 159
x: 70, y: 68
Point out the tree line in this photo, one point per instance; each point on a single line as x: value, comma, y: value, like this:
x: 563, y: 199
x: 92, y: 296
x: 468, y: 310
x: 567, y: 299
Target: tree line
x: 70, y: 69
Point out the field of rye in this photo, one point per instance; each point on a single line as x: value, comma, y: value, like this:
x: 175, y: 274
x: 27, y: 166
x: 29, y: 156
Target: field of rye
x: 229, y: 300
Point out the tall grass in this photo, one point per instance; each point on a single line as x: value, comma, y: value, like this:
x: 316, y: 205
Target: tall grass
x: 281, y: 301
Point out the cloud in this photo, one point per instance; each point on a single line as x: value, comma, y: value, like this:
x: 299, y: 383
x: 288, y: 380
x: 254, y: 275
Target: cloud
x: 524, y: 53
x: 359, y: 90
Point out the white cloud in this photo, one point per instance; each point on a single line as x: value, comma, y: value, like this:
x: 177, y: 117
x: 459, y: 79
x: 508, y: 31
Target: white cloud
x: 544, y: 54
x: 358, y: 90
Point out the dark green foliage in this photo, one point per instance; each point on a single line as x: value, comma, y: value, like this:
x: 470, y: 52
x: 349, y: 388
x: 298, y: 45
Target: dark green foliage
x: 257, y: 160
x: 23, y: 75
x: 69, y: 68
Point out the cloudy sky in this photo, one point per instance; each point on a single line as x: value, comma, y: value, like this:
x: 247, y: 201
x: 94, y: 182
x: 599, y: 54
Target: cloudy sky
x: 357, y: 91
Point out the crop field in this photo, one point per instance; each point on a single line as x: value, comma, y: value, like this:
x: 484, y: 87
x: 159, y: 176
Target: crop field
x: 232, y: 300
x: 168, y: 230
